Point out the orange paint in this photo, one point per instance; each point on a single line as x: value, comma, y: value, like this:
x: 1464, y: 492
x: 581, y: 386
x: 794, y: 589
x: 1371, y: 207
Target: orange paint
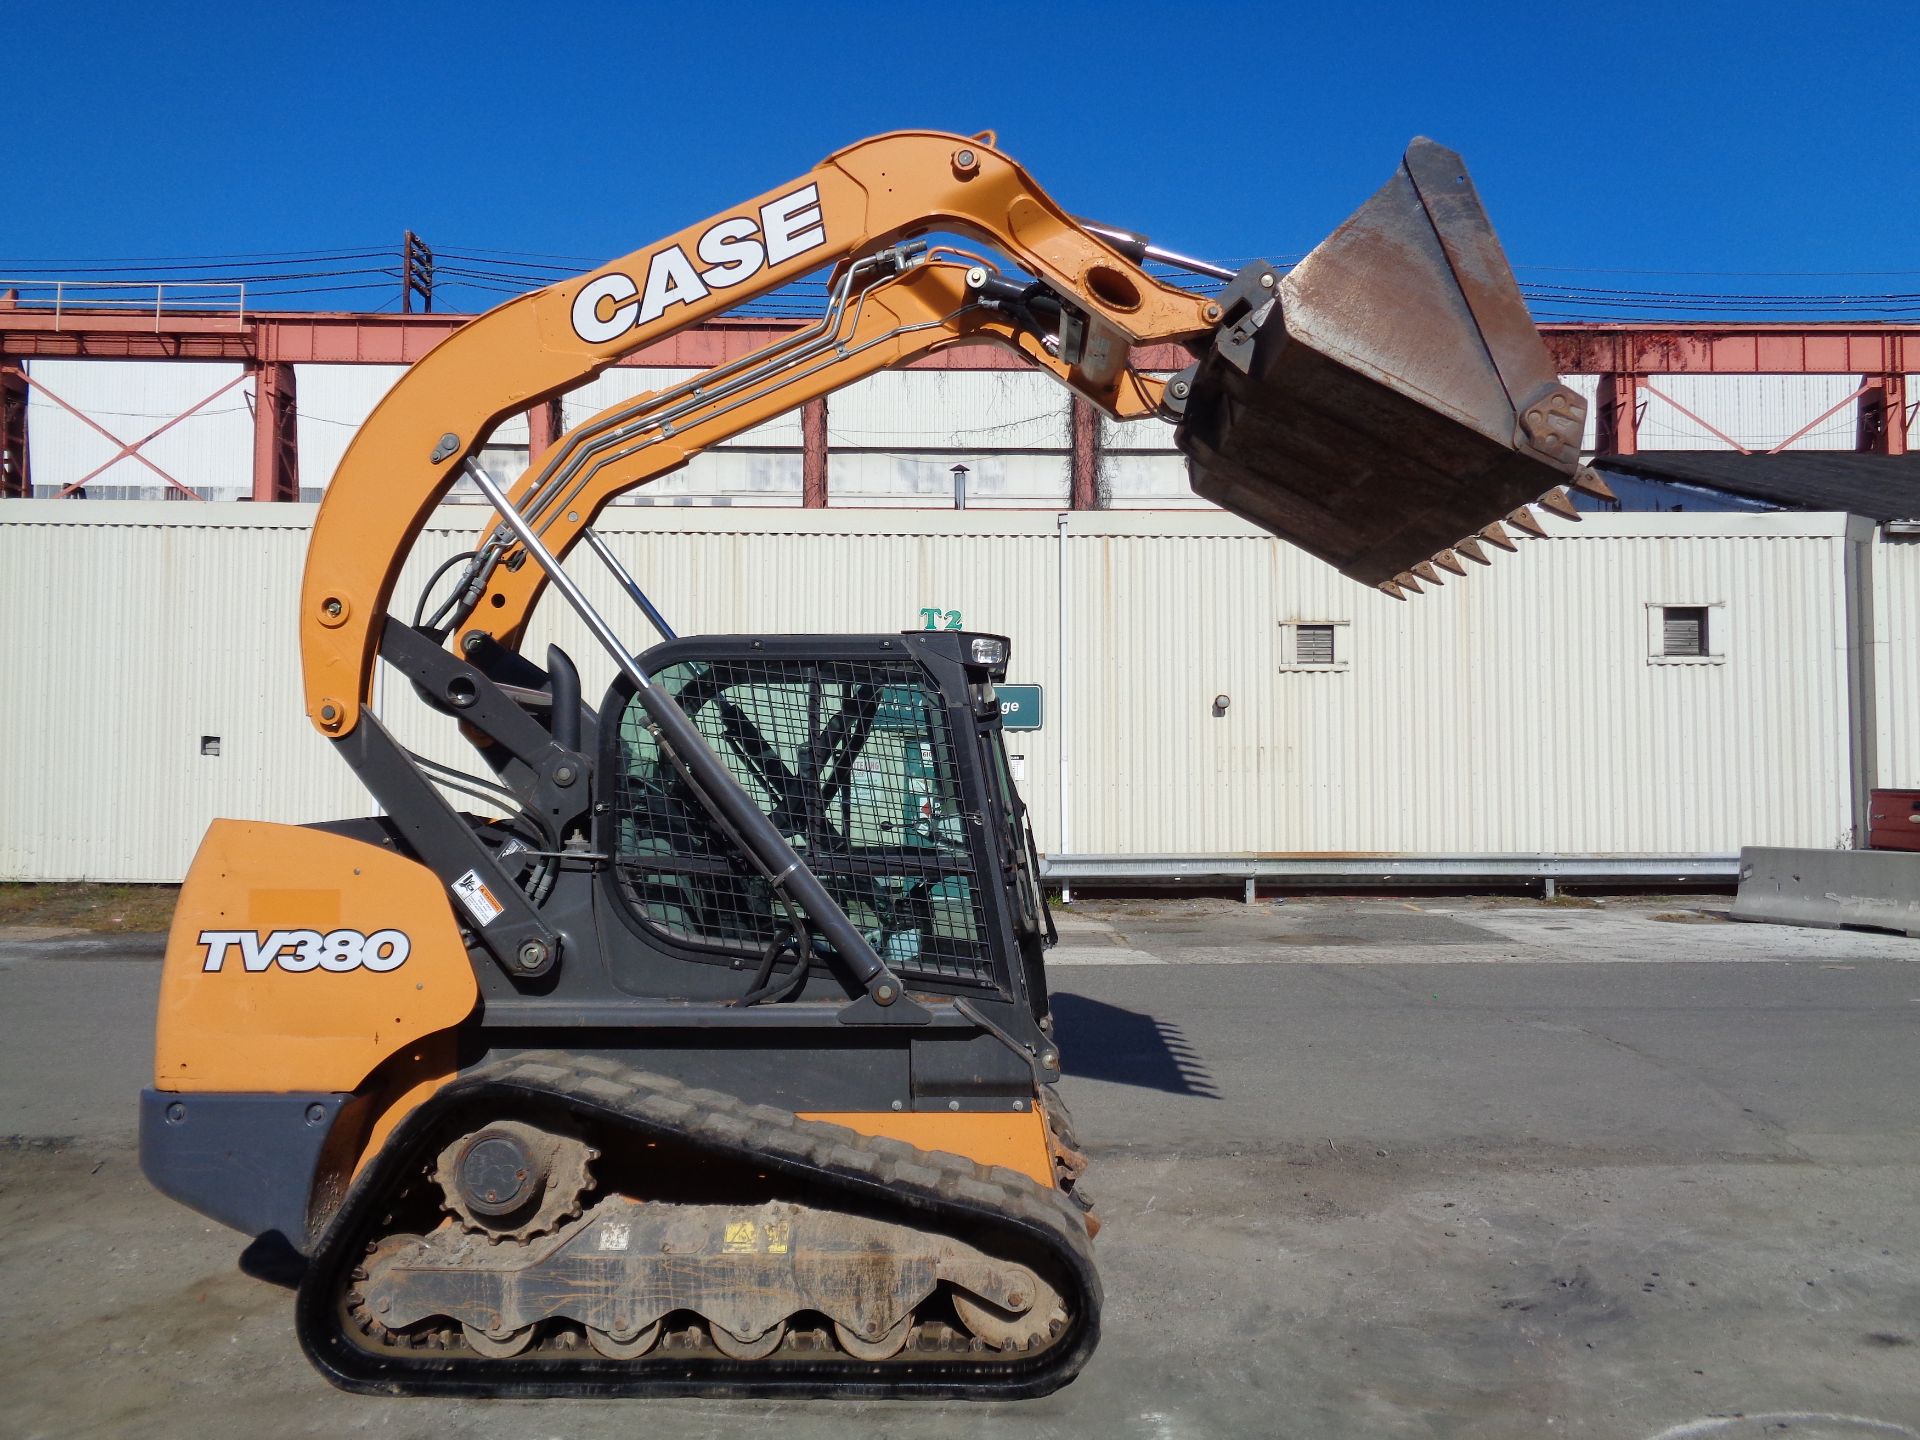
x: 1017, y: 1141
x: 413, y: 1081
x: 277, y: 977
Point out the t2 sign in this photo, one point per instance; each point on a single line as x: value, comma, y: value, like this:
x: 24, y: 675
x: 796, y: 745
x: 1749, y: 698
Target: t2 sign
x: 1022, y: 707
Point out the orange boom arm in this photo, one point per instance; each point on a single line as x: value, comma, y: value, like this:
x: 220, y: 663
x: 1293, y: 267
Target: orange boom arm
x: 857, y: 201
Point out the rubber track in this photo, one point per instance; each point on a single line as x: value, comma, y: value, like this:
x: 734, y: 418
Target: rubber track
x: 1001, y: 1210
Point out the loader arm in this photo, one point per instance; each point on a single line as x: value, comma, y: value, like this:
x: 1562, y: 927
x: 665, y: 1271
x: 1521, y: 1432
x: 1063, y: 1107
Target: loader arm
x: 917, y: 312
x: 412, y: 448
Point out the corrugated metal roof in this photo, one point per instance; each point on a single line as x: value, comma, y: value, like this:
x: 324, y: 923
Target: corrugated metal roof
x: 1878, y: 487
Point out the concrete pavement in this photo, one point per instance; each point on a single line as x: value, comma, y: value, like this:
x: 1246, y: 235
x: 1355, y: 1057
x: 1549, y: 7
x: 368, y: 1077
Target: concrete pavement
x: 1367, y: 1170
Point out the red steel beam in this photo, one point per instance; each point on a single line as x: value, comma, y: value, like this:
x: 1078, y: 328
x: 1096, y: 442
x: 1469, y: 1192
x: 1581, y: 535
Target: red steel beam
x: 1833, y: 348
x: 813, y: 453
x: 1621, y: 355
x: 349, y: 338
x: 276, y: 434
x: 16, y: 478
x: 1616, y: 414
x: 1083, y: 491
x: 545, y: 424
x: 1882, y: 425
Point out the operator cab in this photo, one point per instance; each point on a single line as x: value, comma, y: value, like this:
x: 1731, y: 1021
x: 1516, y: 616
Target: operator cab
x: 880, y: 760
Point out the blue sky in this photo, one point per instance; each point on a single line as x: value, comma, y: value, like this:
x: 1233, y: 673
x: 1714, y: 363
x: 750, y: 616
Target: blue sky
x: 1605, y: 139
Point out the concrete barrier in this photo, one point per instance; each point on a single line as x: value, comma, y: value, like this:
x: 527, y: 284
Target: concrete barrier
x: 1865, y: 889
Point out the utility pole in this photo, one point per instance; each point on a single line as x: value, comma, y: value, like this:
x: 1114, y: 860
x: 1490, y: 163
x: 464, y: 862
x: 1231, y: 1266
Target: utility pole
x: 416, y: 273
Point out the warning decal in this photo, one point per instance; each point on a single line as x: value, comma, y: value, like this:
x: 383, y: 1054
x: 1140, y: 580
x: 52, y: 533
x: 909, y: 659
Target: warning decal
x: 479, y: 901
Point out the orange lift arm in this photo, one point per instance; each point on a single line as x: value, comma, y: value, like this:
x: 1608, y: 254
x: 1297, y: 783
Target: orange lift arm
x: 928, y: 307
x: 853, y: 206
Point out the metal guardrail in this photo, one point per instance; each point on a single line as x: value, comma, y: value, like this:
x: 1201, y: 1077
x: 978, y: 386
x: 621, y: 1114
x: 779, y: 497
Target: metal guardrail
x: 86, y: 297
x: 1363, y: 871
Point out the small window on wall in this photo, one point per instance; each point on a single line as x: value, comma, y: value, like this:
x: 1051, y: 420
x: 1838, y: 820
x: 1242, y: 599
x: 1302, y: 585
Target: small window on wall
x: 1683, y: 631
x: 1689, y: 634
x: 1314, y: 645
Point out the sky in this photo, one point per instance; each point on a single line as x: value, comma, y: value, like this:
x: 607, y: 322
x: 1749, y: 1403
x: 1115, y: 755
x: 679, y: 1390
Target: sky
x: 1706, y: 148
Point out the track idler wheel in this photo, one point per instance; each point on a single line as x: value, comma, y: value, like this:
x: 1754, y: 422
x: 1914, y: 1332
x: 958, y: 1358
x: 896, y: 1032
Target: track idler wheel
x: 1004, y: 1329
x: 882, y: 1347
x: 758, y: 1347
x: 498, y: 1347
x: 624, y: 1347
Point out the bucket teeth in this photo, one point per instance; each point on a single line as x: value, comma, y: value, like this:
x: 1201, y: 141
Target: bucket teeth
x: 1522, y: 520
x: 1470, y: 548
x: 1447, y: 560
x: 1406, y: 582
x: 1427, y: 573
x: 1496, y: 534
x: 1589, y: 482
x: 1387, y: 587
x: 1558, y: 502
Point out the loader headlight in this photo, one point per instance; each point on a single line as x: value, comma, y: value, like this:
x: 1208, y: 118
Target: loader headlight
x: 987, y: 650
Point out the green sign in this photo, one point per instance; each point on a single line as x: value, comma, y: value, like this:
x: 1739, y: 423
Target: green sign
x: 1022, y: 707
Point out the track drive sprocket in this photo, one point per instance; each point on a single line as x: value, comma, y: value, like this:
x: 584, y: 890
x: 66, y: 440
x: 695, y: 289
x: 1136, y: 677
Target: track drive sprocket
x: 512, y: 1180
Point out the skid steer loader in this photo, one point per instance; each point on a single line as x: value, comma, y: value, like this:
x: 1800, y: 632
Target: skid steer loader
x: 719, y: 1060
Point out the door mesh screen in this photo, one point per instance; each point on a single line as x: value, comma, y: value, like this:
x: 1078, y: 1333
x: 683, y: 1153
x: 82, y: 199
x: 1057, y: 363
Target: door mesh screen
x: 854, y: 761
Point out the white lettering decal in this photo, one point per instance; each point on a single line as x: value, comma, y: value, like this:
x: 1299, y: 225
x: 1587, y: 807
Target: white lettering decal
x: 733, y: 252
x: 218, y: 942
x: 671, y: 280
x: 257, y: 951
x: 792, y: 224
x: 385, y: 950
x: 300, y: 951
x: 340, y: 951
x: 587, y: 323
x: 305, y: 945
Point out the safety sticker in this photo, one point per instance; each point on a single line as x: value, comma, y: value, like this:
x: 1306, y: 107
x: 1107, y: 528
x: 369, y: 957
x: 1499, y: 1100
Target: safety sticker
x: 615, y: 1237
x: 779, y: 1235
x: 740, y: 1237
x: 479, y: 900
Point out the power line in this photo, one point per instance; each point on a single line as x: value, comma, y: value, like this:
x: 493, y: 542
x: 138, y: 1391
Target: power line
x: 486, y: 274
x: 1725, y: 274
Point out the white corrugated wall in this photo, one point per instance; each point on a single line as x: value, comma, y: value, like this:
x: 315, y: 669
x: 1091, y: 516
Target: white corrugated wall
x: 1896, y: 585
x: 1517, y: 710
x: 135, y: 629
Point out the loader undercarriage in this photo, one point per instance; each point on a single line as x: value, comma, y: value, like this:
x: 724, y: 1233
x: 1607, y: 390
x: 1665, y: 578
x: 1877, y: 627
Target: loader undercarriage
x: 719, y: 1248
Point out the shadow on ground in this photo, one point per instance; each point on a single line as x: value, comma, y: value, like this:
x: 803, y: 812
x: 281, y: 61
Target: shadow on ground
x: 1106, y: 1042
x: 271, y: 1258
